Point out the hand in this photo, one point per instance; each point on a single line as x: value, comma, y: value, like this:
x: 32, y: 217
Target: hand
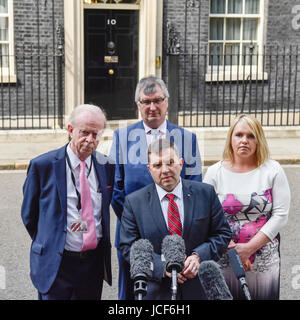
x: 191, y: 266
x: 231, y: 245
x: 180, y: 278
x: 244, y: 252
x: 190, y: 270
x: 248, y: 265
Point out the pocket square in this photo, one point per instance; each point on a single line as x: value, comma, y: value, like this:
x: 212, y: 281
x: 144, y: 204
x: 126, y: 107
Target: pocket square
x: 108, y: 187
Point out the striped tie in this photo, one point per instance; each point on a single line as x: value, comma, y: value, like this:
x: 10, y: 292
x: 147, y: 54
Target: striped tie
x: 174, y: 222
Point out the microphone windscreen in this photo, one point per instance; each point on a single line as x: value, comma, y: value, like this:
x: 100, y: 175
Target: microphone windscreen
x: 141, y: 257
x: 213, y: 282
x: 236, y: 263
x: 173, y: 249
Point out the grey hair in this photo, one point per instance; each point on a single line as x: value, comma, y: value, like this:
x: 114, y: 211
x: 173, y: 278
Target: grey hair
x: 160, y: 145
x: 86, y: 107
x: 149, y: 86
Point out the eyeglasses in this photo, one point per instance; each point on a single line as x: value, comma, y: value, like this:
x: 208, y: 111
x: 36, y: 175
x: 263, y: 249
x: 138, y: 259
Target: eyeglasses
x: 156, y: 101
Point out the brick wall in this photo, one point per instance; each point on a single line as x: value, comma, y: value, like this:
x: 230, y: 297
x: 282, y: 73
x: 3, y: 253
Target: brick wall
x: 278, y: 92
x: 35, y: 37
x: 35, y: 92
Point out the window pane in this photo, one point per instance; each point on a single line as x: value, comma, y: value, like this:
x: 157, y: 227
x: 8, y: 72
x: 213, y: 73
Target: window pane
x: 233, y: 29
x: 216, y: 54
x: 250, y: 29
x: 252, y: 6
x: 235, y: 6
x: 216, y: 28
x: 232, y: 52
x: 3, y: 55
x: 3, y: 29
x: 250, y: 54
x: 217, y: 6
x: 3, y: 6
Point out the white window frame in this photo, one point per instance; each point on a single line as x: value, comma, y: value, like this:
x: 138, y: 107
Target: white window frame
x: 8, y: 74
x: 241, y: 72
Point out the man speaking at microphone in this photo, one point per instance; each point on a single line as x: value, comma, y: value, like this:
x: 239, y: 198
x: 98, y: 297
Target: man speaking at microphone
x: 173, y: 205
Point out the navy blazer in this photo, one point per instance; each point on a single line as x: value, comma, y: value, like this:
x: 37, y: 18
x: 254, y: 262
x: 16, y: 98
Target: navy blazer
x: 44, y: 213
x: 205, y: 231
x: 129, y: 151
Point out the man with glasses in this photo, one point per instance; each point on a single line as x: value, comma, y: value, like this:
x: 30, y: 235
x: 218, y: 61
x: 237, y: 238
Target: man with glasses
x: 129, y: 150
x: 65, y: 210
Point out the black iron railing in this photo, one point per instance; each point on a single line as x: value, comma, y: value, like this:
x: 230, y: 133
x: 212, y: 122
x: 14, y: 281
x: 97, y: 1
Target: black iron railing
x: 210, y: 89
x: 31, y: 81
x: 31, y: 95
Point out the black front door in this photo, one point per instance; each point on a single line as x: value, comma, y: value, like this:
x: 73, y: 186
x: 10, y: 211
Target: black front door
x: 110, y: 61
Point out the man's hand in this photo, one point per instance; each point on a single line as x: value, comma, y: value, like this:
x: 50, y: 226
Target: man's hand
x: 191, y: 266
x: 190, y: 270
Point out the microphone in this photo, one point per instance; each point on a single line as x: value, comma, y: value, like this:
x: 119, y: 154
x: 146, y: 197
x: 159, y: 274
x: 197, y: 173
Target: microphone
x: 213, y: 282
x: 239, y: 271
x: 173, y: 249
x: 141, y: 256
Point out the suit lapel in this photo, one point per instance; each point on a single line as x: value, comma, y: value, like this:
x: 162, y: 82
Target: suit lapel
x: 155, y: 211
x: 60, y: 177
x: 188, y: 205
x: 101, y: 175
x: 136, y: 144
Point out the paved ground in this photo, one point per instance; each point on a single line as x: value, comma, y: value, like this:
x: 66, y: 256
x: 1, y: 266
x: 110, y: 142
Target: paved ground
x: 14, y: 243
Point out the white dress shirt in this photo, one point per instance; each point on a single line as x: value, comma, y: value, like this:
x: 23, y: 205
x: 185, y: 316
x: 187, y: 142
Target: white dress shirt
x: 164, y: 201
x: 74, y: 240
x: 160, y: 131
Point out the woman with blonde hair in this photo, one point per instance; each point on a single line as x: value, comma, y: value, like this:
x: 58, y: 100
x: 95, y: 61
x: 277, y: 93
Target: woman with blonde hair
x: 255, y: 195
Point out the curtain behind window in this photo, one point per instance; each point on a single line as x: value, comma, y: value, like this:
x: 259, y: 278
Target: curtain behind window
x: 3, y: 6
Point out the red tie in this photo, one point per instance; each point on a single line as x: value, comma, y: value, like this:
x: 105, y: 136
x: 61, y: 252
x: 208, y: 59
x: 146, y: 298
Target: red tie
x: 174, y: 222
x: 87, y: 212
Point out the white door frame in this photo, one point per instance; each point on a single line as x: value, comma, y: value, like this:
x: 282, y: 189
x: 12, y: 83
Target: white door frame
x: 150, y: 45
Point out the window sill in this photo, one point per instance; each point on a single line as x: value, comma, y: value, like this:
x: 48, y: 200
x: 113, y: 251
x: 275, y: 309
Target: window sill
x: 234, y: 76
x: 8, y: 78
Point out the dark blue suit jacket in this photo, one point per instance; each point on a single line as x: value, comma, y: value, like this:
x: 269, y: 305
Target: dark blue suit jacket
x: 44, y: 213
x: 129, y: 151
x: 205, y: 231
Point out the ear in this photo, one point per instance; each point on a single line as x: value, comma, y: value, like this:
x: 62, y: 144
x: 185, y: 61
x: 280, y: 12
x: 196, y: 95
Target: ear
x: 70, y: 130
x: 181, y: 162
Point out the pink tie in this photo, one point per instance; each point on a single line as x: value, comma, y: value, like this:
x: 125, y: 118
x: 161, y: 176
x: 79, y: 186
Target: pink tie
x: 87, y: 214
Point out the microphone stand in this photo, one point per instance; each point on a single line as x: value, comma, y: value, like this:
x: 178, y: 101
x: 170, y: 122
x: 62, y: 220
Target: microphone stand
x: 174, y: 268
x: 140, y: 286
x: 245, y: 288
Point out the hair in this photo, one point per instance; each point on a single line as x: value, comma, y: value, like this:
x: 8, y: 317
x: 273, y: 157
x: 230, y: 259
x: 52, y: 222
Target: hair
x: 160, y: 145
x: 148, y: 85
x: 262, y: 152
x: 86, y: 107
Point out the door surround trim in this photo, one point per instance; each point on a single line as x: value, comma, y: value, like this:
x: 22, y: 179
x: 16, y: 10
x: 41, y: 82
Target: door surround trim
x: 150, y: 45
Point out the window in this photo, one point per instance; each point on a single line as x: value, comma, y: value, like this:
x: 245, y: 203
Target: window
x: 7, y: 64
x: 235, y: 38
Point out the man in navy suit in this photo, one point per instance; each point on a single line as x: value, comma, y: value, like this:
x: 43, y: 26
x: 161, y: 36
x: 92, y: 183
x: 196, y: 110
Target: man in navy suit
x: 129, y: 150
x: 174, y: 206
x: 62, y: 264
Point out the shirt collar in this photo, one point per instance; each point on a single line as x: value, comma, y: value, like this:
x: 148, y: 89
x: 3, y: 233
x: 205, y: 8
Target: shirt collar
x: 75, y: 161
x: 162, y: 128
x: 177, y: 191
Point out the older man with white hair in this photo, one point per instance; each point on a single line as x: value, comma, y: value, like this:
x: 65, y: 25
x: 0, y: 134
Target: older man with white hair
x: 67, y: 193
